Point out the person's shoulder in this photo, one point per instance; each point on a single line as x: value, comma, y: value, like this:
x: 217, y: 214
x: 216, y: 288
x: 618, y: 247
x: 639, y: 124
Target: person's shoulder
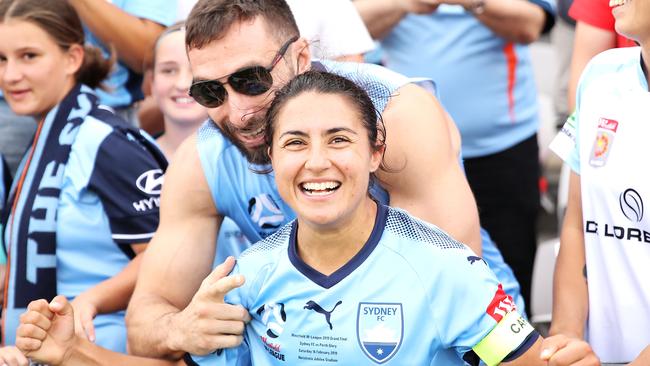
x: 266, y: 251
x: 611, y: 66
x: 409, y: 229
x: 614, y: 59
x: 365, y: 73
x: 267, y: 247
x: 617, y: 55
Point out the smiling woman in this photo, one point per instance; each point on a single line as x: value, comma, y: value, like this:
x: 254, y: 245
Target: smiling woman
x: 352, y: 281
x: 75, y: 216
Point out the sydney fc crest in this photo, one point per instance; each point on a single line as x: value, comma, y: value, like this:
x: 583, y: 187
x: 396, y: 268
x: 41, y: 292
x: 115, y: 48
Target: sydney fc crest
x: 380, y: 328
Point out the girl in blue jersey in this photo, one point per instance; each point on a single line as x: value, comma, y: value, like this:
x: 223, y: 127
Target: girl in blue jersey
x: 85, y: 200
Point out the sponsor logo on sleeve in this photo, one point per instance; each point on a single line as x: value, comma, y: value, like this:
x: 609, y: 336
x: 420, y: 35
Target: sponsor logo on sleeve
x: 500, y: 305
x: 380, y: 329
x: 473, y: 259
x: 149, y: 182
x: 603, y: 144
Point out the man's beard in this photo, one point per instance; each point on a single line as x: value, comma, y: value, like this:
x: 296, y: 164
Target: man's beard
x: 257, y: 155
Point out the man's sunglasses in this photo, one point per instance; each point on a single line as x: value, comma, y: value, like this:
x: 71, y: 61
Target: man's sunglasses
x: 253, y: 80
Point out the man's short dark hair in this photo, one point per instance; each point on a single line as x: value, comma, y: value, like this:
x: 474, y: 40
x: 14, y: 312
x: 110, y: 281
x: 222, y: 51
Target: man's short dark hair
x: 210, y: 20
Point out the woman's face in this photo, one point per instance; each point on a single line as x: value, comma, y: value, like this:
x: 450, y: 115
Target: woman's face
x: 171, y: 82
x: 35, y: 73
x: 633, y: 19
x: 322, y: 159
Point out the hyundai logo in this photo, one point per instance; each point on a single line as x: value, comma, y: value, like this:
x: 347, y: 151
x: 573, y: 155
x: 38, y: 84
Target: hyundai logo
x: 631, y: 205
x: 150, y: 182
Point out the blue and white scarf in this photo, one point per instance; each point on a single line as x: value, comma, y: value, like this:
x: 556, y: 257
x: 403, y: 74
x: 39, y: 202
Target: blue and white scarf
x: 31, y: 211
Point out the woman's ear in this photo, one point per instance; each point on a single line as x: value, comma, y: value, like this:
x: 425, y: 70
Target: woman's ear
x: 377, y: 157
x: 75, y: 58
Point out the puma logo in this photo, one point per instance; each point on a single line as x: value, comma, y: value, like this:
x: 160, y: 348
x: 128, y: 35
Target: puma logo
x: 312, y: 305
x: 472, y: 259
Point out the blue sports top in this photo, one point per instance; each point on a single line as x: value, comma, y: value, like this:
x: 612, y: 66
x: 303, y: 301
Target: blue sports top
x: 485, y: 82
x: 252, y: 200
x: 125, y: 84
x: 411, y: 296
x: 109, y: 200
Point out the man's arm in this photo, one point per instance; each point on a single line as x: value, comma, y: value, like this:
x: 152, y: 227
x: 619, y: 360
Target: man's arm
x: 587, y: 43
x: 165, y: 318
x: 381, y: 16
x: 570, y: 300
x: 422, y: 149
x: 517, y: 21
x: 131, y: 36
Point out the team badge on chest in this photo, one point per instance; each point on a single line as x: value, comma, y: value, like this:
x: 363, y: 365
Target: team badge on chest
x: 603, y: 143
x: 380, y: 329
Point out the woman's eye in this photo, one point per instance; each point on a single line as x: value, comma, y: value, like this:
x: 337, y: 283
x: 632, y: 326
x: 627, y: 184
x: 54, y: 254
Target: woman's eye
x: 168, y: 71
x: 29, y: 55
x: 340, y: 139
x: 293, y: 143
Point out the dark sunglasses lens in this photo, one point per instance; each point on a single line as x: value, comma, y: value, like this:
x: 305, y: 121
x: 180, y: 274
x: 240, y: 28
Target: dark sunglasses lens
x: 209, y: 94
x: 252, y: 81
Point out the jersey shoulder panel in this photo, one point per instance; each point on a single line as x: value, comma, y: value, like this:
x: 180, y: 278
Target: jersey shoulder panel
x: 212, y: 146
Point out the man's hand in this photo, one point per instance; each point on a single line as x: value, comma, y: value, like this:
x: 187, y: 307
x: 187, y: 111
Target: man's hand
x: 85, y: 311
x: 208, y: 323
x: 11, y: 356
x: 562, y: 350
x: 46, y: 331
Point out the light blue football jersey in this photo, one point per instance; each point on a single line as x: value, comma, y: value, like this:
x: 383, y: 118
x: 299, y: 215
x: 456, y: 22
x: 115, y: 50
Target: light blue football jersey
x: 252, y: 200
x: 109, y: 200
x: 411, y: 296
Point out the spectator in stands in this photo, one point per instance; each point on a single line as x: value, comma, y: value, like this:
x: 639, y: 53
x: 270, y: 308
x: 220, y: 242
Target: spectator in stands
x: 85, y: 198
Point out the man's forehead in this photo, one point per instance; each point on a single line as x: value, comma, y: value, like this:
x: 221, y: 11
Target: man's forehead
x: 245, y: 44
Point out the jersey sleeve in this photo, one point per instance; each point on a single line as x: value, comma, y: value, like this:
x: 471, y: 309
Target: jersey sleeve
x: 550, y: 9
x: 128, y: 178
x: 480, y: 318
x: 566, y: 144
x: 596, y: 13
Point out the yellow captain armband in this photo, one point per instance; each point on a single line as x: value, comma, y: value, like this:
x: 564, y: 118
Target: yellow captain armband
x: 508, y: 334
